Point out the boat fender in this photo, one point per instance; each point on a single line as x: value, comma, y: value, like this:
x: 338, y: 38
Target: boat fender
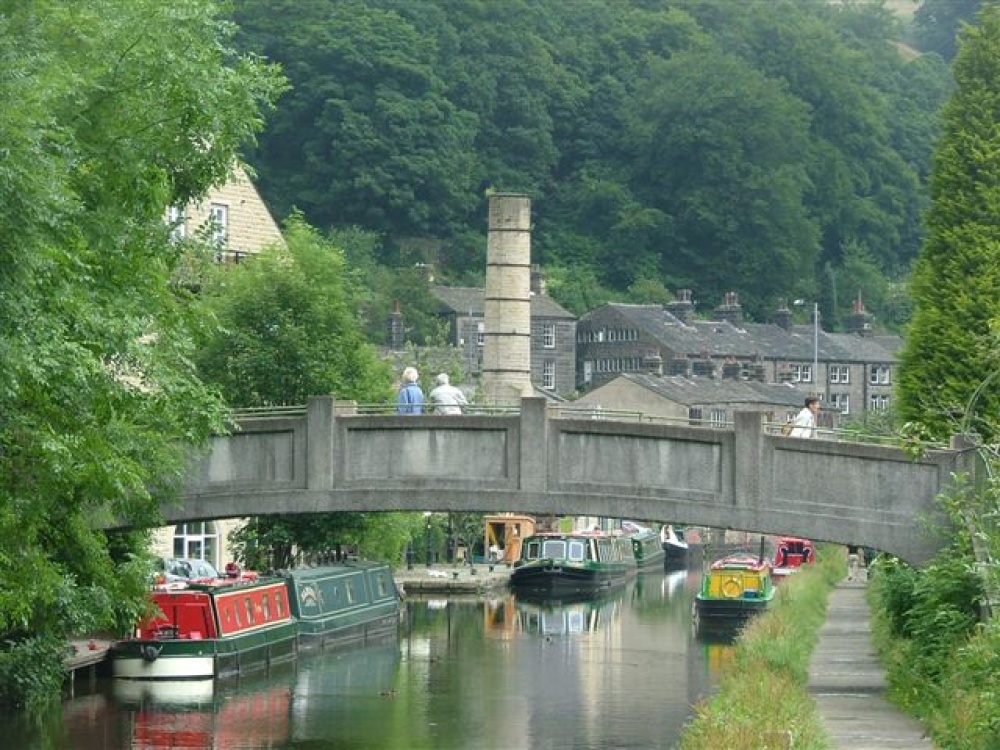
x: 732, y: 588
x: 150, y: 652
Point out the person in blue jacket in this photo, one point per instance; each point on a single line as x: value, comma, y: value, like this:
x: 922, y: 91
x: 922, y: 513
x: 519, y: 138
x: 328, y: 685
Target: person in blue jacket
x: 411, y: 398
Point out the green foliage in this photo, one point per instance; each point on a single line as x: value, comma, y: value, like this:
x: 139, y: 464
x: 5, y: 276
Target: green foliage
x: 938, y: 22
x: 288, y: 328
x: 99, y: 400
x: 704, y: 144
x: 950, y: 375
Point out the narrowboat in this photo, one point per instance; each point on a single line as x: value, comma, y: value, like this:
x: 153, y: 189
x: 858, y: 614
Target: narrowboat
x: 572, y: 566
x: 675, y: 547
x: 790, y: 554
x: 351, y: 603
x: 231, y: 625
x: 647, y: 550
x: 733, y: 589
x: 210, y: 628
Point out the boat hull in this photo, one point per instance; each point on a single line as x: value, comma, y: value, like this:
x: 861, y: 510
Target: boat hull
x: 183, y: 659
x: 565, y: 582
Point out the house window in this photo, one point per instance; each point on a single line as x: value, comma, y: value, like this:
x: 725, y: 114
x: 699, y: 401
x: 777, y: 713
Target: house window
x: 879, y: 375
x: 198, y: 541
x: 694, y: 415
x: 840, y: 374
x: 549, y: 336
x: 480, y: 334
x: 588, y: 370
x: 549, y: 375
x: 175, y: 219
x: 717, y: 417
x: 841, y: 401
x: 218, y: 216
x: 878, y: 402
x: 802, y: 373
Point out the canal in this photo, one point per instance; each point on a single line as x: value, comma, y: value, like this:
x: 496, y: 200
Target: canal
x: 490, y: 673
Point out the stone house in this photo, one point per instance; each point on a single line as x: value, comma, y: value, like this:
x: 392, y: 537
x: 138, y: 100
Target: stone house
x: 232, y: 216
x: 854, y: 371
x: 677, y: 399
x: 553, y: 334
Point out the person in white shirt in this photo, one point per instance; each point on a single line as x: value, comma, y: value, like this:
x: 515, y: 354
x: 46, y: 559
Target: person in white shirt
x: 804, y: 424
x: 447, y: 399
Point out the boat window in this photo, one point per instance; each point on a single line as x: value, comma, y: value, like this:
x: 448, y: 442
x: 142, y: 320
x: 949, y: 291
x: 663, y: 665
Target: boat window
x: 236, y: 612
x: 382, y: 588
x: 249, y: 608
x: 279, y: 604
x: 267, y: 607
x: 534, y: 550
x: 577, y: 550
x: 554, y: 548
x: 350, y: 592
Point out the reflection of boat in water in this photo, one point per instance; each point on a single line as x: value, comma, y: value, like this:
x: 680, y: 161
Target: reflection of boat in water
x: 169, y: 714
x: 572, y: 566
x: 559, y: 619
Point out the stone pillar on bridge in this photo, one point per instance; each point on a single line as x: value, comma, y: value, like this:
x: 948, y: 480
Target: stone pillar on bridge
x: 751, y: 462
x: 507, y: 303
x: 319, y: 443
x: 534, y: 449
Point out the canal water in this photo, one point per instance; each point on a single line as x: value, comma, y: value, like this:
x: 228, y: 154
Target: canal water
x: 491, y: 673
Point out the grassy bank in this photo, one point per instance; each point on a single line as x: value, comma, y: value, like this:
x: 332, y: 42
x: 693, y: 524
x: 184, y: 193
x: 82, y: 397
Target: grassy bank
x: 763, y: 702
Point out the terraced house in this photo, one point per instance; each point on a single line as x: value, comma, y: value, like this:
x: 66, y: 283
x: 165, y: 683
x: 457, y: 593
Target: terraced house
x: 852, y: 372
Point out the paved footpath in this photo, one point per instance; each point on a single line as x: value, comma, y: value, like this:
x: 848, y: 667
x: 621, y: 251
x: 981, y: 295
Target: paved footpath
x: 848, y: 681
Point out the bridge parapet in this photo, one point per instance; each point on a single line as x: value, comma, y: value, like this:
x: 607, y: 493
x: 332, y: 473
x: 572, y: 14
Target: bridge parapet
x: 329, y: 457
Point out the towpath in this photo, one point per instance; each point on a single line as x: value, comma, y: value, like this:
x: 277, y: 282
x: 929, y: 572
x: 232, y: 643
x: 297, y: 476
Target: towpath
x: 849, y: 684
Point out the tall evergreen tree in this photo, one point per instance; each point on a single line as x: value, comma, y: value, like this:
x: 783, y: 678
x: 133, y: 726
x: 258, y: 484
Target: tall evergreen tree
x: 950, y: 375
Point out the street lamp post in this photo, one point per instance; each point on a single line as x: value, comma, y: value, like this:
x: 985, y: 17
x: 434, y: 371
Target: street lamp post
x: 815, y: 316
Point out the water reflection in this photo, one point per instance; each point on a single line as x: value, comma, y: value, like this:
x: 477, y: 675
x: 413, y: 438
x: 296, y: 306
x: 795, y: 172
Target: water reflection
x: 621, y: 671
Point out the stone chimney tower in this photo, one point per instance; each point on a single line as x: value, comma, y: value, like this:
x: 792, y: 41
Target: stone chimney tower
x: 397, y: 333
x: 682, y: 307
x: 507, y: 304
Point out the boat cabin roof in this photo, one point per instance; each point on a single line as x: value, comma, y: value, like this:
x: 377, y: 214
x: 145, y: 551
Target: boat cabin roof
x: 742, y: 562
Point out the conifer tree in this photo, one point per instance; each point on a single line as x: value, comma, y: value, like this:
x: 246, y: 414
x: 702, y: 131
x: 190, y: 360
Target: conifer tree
x: 950, y: 374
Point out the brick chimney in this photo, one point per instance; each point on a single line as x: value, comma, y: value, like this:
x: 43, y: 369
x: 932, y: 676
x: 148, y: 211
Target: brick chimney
x: 860, y: 321
x: 730, y: 310
x: 783, y: 315
x: 681, y: 308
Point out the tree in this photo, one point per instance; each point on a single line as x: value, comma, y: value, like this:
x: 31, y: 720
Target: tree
x: 950, y: 372
x: 289, y: 330
x: 103, y: 125
x: 938, y: 23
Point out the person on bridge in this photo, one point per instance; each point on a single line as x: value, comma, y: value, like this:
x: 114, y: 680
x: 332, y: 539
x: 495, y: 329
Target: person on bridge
x: 447, y: 399
x: 804, y: 424
x: 411, y: 397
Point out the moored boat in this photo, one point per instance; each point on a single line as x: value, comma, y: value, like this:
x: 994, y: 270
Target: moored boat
x: 790, y: 554
x: 346, y: 604
x: 646, y: 547
x: 573, y: 565
x: 209, y: 629
x: 232, y: 625
x: 675, y: 547
x: 733, y: 589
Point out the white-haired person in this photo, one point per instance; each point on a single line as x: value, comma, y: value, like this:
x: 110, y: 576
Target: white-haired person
x: 411, y: 398
x: 447, y: 399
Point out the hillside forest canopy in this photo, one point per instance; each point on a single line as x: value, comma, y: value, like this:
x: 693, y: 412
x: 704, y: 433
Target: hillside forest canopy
x: 777, y: 149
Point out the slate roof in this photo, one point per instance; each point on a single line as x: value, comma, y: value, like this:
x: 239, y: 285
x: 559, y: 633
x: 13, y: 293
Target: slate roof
x: 463, y: 300
x: 692, y: 392
x: 718, y: 339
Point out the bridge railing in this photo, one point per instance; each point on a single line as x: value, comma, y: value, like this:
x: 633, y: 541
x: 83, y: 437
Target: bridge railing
x: 593, y: 412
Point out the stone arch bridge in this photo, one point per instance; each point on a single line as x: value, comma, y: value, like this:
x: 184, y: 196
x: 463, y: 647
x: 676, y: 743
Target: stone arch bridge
x: 538, y: 460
